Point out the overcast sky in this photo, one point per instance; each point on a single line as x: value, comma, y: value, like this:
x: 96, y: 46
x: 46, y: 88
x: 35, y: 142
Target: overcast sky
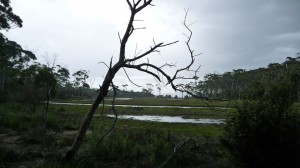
x: 231, y: 34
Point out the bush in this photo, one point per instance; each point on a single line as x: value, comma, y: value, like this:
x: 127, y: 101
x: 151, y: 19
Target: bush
x: 146, y: 148
x: 265, y: 133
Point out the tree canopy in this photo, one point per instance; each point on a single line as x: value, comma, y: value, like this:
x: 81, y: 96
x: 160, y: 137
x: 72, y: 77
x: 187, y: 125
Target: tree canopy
x: 7, y: 18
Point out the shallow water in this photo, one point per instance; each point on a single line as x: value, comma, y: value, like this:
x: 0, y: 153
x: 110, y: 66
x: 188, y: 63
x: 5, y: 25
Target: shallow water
x: 170, y: 119
x: 141, y: 106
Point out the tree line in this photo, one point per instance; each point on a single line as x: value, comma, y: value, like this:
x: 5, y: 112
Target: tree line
x: 23, y: 78
x: 241, y: 83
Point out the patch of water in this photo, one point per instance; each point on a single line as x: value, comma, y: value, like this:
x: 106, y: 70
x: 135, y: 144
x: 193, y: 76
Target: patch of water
x: 142, y: 106
x: 170, y: 119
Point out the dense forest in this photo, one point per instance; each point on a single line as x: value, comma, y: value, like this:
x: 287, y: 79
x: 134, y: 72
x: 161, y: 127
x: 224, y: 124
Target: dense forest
x: 241, y: 83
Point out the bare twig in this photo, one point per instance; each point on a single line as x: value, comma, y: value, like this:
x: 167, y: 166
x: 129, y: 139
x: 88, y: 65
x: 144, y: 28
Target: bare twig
x: 103, y: 63
x: 119, y: 37
x: 151, y: 50
x: 130, y: 79
x: 135, y: 54
x: 139, y: 28
x: 167, y: 64
x: 176, y: 148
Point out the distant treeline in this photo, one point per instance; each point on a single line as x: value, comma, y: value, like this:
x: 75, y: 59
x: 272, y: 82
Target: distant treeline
x: 240, y: 83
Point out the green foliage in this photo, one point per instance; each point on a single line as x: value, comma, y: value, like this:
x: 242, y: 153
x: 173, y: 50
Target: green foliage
x: 240, y: 83
x: 16, y: 117
x: 141, y: 148
x: 7, y: 17
x: 62, y: 75
x: 123, y: 93
x: 13, y: 58
x: 80, y: 78
x: 265, y: 133
x: 255, y: 90
x: 131, y: 144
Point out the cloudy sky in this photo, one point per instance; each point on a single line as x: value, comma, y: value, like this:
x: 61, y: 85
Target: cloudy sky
x: 231, y: 34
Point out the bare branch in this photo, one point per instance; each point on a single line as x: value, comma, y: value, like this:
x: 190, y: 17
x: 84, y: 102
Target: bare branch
x: 137, y: 3
x: 103, y: 63
x: 146, y: 3
x: 139, y: 67
x: 119, y: 37
x: 205, y: 100
x: 192, y: 23
x: 197, y: 70
x: 169, y: 44
x: 144, y: 54
x: 129, y: 4
x: 176, y: 148
x: 130, y: 79
x: 140, y: 28
x: 135, y: 50
x: 197, y: 54
x: 167, y: 64
x: 188, y: 46
x: 151, y: 50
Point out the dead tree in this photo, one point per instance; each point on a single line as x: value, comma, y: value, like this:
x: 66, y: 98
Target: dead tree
x: 125, y: 62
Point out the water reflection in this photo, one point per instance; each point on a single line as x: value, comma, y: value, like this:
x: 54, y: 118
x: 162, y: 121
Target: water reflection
x: 139, y: 106
x: 170, y: 119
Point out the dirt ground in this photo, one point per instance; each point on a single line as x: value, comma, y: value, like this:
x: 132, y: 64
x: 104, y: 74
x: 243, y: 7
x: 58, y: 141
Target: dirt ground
x: 32, y: 148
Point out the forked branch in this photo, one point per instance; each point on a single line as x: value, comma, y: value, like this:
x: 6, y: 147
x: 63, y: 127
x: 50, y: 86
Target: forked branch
x: 144, y: 67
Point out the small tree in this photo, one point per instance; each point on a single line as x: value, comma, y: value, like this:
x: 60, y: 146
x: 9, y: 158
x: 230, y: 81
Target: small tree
x: 62, y: 75
x: 133, y: 63
x: 80, y: 80
x: 265, y: 133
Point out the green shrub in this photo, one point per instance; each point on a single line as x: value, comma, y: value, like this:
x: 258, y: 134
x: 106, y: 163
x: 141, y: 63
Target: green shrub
x: 146, y: 148
x: 14, y: 116
x: 265, y: 133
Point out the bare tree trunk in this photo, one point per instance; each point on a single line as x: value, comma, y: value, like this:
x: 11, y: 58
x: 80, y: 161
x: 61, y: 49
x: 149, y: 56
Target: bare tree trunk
x: 71, y: 153
x: 85, y: 125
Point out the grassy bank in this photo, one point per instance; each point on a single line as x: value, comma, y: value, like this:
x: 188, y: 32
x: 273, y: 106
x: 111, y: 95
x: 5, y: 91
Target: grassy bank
x: 131, y: 143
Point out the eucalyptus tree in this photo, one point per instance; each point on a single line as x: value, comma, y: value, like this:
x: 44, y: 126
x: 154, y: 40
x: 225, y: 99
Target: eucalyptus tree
x: 62, y: 75
x: 8, y: 19
x: 13, y: 58
x: 80, y: 80
x: 138, y: 62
